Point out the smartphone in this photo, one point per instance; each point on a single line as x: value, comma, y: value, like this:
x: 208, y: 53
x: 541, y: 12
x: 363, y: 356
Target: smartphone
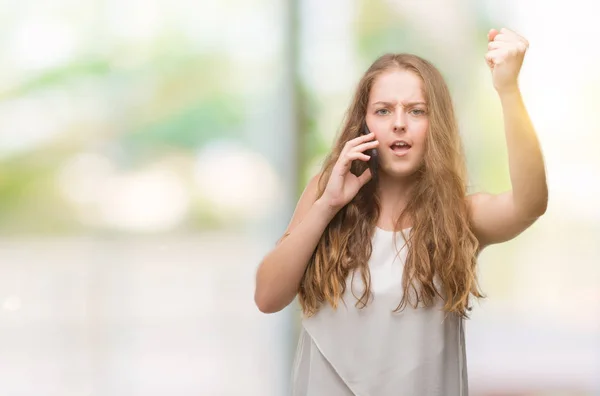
x: 374, y: 160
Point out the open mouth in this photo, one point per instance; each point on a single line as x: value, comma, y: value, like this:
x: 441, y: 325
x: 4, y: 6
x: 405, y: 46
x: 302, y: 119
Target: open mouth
x: 400, y: 147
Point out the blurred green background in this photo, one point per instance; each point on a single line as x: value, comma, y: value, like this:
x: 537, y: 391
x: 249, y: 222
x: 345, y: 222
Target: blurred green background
x: 151, y: 152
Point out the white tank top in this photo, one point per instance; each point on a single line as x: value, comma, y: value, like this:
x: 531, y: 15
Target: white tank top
x: 374, y: 351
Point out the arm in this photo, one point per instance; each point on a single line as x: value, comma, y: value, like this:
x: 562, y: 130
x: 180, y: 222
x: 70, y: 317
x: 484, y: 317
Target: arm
x: 279, y: 275
x: 498, y: 218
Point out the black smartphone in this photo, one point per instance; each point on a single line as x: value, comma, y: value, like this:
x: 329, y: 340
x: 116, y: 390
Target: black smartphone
x: 373, y: 161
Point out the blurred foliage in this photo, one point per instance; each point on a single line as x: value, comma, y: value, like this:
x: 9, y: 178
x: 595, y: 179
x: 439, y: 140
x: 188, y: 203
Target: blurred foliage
x: 173, y: 99
x: 29, y: 200
x: 164, y: 96
x: 60, y: 76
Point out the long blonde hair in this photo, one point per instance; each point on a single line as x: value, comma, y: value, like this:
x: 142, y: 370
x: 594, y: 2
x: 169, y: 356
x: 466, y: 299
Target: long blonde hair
x: 441, y: 243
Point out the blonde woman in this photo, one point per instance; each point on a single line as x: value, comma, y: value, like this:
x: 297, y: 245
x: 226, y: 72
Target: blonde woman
x: 382, y: 247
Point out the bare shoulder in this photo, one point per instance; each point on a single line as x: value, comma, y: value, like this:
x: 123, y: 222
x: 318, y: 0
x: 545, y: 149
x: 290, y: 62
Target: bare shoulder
x: 495, y: 218
x: 307, y: 199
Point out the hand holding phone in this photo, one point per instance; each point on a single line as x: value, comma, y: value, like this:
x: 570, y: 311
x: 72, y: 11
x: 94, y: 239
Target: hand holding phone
x: 343, y: 185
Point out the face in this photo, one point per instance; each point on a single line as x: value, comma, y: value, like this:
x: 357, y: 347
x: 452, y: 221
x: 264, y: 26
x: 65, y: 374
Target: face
x: 397, y: 115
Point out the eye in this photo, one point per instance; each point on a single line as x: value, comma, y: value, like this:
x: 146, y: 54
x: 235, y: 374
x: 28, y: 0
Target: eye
x: 417, y: 112
x: 381, y: 112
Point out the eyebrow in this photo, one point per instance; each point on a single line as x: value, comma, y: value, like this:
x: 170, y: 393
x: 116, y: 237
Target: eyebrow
x: 409, y: 104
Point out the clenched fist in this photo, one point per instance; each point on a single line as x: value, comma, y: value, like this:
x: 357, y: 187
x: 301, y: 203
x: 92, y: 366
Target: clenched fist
x: 506, y: 50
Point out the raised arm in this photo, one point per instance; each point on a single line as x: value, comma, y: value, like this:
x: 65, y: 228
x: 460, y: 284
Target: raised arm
x: 498, y: 218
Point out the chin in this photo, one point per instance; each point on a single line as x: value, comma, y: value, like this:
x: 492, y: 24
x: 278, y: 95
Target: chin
x: 402, y: 172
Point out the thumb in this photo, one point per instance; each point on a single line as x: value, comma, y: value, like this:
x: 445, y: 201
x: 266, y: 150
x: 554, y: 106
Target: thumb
x: 365, y: 177
x: 492, y: 34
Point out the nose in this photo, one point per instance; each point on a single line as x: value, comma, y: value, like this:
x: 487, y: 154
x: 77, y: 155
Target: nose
x: 400, y: 121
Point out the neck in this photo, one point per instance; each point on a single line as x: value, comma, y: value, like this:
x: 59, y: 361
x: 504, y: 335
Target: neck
x: 394, y: 194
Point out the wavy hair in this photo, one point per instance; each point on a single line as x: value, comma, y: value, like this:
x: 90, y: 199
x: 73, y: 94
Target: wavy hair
x: 442, y: 249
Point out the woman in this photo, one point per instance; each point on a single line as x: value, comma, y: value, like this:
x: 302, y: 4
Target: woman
x: 382, y: 247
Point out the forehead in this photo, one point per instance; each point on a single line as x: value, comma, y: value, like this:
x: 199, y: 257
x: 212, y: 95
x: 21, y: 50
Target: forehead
x: 397, y: 86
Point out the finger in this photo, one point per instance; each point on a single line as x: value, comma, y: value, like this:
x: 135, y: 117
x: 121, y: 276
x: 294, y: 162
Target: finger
x: 365, y: 177
x: 346, y: 159
x: 492, y: 45
x: 350, y: 144
x: 361, y: 139
x: 509, y: 36
x: 365, y: 146
x: 495, y: 57
x: 513, y: 48
x: 504, y: 37
x: 357, y: 156
x: 510, y: 33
